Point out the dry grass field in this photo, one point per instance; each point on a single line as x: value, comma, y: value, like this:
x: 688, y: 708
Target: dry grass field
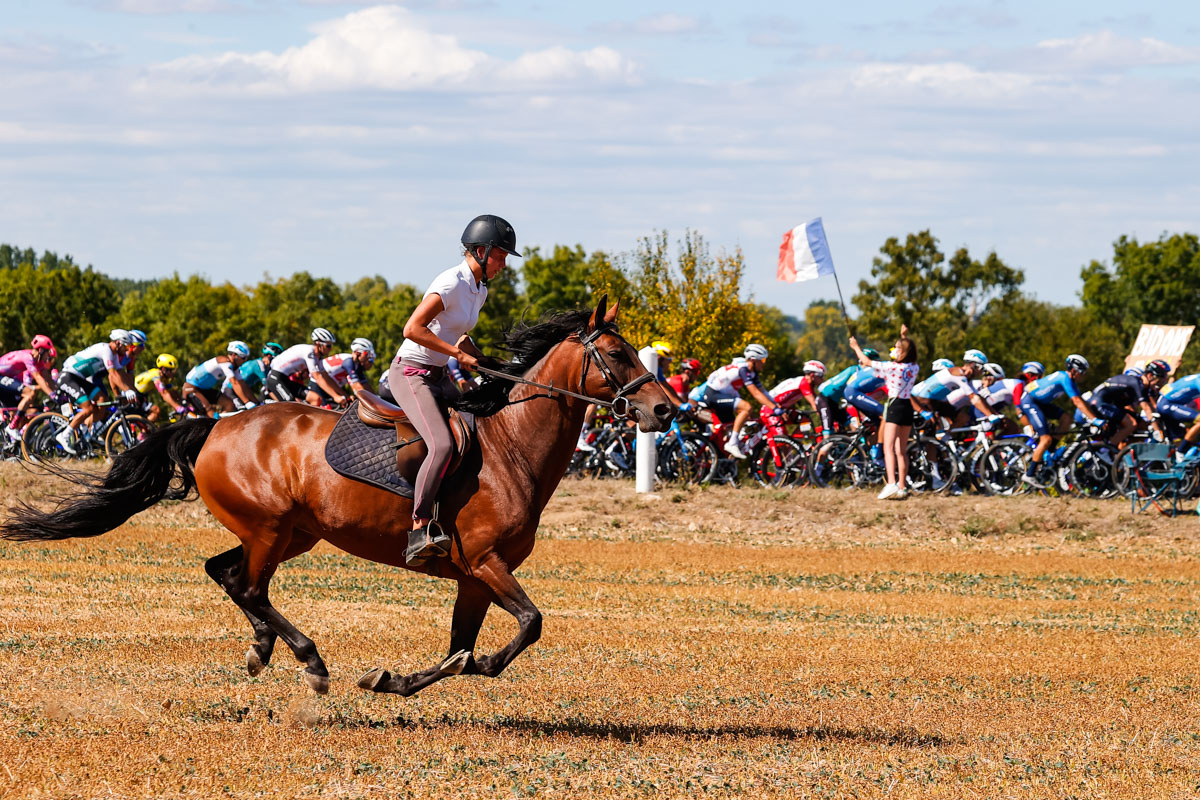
x: 707, y: 643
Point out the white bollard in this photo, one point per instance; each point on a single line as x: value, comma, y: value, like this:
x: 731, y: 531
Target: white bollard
x: 647, y: 453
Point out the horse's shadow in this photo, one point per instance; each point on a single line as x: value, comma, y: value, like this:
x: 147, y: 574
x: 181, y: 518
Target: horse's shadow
x: 634, y: 732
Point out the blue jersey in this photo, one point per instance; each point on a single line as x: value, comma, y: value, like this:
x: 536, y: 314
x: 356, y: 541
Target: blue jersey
x: 1184, y: 390
x: 835, y: 388
x: 1049, y: 388
x: 252, y: 374
x: 865, y: 381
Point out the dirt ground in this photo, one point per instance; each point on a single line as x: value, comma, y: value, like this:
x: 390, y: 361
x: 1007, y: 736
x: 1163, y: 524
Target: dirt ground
x: 716, y: 642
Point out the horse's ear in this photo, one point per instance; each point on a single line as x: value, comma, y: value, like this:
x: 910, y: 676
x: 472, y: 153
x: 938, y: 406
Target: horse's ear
x: 611, y: 316
x: 598, y: 316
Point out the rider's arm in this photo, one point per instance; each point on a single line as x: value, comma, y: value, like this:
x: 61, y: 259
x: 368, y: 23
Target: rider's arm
x: 42, y: 382
x: 332, y: 389
x: 417, y: 330
x: 1083, y: 407
x: 357, y: 386
x: 241, y: 389
x: 120, y: 381
x: 761, y: 396
x: 983, y: 407
x: 168, y: 396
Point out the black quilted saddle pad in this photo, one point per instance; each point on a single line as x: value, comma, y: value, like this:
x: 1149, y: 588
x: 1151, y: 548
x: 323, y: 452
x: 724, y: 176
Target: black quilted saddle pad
x: 365, y: 454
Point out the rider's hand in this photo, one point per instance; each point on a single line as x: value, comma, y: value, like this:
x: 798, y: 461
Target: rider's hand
x: 1095, y: 422
x: 685, y: 407
x: 180, y: 410
x: 926, y: 415
x: 467, y: 361
x: 778, y: 412
x: 250, y: 405
x: 130, y: 396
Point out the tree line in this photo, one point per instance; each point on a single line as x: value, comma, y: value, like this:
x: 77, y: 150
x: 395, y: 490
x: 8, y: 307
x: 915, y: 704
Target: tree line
x: 680, y: 291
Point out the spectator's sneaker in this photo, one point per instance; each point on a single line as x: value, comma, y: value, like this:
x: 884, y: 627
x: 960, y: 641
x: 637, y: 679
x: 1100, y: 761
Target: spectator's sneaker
x: 889, y: 491
x: 732, y: 448
x: 66, y: 439
x: 583, y: 445
x: 902, y: 494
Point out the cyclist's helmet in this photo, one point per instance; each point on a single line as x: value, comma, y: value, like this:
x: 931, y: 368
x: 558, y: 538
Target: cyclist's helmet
x: 693, y: 364
x: 871, y: 353
x: 1078, y: 363
x: 974, y: 357
x: 139, y: 338
x: 361, y: 345
x: 1158, y: 369
x: 42, y: 342
x: 755, y: 351
x: 1135, y: 372
x: 1033, y: 368
x: 120, y: 336
x: 272, y: 349
x: 322, y: 336
x: 166, y: 361
x: 993, y: 369
x: 941, y: 364
x: 663, y: 348
x: 236, y: 348
x: 814, y: 367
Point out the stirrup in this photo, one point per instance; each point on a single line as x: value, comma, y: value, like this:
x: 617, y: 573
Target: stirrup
x: 424, y: 546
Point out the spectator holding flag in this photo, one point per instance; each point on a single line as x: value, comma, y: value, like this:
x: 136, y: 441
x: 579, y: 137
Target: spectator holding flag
x: 899, y: 375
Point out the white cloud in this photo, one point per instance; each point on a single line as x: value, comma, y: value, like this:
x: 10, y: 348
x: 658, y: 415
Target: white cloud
x: 384, y: 47
x: 951, y: 79
x: 659, y: 25
x: 1107, y: 50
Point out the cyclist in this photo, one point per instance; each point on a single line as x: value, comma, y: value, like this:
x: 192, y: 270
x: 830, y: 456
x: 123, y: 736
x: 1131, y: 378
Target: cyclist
x: 162, y: 379
x: 834, y: 391
x: 862, y: 388
x: 1113, y: 399
x: 682, y: 383
x: 253, y: 374
x: 1178, y: 404
x: 1038, y: 406
x: 82, y: 379
x: 787, y: 393
x: 202, y: 386
x: 947, y: 391
x: 722, y: 398
x: 344, y: 369
x: 22, y: 374
x: 281, y: 381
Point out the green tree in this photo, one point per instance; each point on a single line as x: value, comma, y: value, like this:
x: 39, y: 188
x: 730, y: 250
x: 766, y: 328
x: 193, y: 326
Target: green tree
x: 54, y: 296
x: 1022, y: 329
x: 825, y: 337
x: 940, y: 301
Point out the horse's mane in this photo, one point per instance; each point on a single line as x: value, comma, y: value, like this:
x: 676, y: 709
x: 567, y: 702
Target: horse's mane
x: 528, y: 343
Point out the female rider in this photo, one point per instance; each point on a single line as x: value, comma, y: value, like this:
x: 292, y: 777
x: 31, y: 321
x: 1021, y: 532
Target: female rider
x: 437, y: 331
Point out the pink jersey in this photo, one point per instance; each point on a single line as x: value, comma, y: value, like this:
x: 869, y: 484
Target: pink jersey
x: 19, y: 365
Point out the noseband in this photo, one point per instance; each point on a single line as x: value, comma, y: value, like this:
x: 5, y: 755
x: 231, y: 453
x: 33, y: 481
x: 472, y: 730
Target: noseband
x: 620, y: 402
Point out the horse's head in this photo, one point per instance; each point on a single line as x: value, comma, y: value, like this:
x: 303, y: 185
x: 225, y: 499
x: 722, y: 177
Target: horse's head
x: 612, y: 371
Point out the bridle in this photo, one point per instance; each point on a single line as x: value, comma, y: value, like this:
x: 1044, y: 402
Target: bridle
x: 620, y: 402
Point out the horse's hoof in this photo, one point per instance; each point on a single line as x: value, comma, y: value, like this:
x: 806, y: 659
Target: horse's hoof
x: 455, y: 664
x: 372, y: 679
x: 318, y: 683
x: 254, y: 664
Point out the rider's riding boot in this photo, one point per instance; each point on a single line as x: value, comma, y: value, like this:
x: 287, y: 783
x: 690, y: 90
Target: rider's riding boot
x: 422, y: 546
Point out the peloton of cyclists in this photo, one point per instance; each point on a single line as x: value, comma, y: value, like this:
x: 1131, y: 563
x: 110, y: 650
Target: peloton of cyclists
x: 22, y: 374
x: 1113, y: 399
x: 948, y: 391
x: 1039, y: 407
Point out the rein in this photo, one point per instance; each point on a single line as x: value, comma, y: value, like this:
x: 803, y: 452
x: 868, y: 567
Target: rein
x: 620, y: 402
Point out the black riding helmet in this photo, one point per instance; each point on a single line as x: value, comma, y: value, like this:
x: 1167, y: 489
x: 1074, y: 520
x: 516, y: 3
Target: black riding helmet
x: 488, y: 231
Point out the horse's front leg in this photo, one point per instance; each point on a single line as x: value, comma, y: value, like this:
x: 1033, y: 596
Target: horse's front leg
x: 470, y: 607
x: 512, y: 598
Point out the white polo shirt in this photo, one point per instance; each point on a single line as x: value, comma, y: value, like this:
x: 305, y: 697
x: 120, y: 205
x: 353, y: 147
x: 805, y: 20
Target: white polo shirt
x: 462, y: 298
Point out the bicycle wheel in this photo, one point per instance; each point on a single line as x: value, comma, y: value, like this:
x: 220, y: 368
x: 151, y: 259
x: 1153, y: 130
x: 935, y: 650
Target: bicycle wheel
x: 37, y: 440
x: 838, y: 462
x: 690, y: 459
x: 125, y: 434
x: 932, y: 466
x: 1091, y: 466
x: 1002, y: 467
x: 787, y: 465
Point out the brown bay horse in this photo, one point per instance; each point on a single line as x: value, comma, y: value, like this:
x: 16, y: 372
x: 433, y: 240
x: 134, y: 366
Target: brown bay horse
x: 263, y: 475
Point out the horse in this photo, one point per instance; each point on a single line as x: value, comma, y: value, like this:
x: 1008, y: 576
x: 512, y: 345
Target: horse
x: 263, y: 475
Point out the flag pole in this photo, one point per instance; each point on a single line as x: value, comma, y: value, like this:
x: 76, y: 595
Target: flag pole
x: 845, y: 316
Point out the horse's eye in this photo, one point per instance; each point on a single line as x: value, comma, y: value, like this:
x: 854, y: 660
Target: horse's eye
x: 619, y: 355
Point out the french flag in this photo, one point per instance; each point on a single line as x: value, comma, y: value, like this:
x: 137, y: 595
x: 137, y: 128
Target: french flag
x: 804, y: 254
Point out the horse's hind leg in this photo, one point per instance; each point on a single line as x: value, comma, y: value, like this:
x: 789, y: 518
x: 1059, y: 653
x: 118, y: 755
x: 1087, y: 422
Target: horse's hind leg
x: 225, y: 569
x: 470, y: 607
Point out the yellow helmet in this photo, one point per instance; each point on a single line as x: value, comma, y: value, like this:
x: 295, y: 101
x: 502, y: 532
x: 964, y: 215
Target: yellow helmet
x: 166, y: 361
x: 662, y: 348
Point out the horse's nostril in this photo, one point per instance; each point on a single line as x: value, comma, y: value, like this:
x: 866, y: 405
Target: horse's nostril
x: 662, y: 410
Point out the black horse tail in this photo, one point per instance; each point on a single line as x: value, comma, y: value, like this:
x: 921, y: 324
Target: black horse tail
x: 158, y: 468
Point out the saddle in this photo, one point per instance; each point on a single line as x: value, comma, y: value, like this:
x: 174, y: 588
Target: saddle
x: 361, y: 444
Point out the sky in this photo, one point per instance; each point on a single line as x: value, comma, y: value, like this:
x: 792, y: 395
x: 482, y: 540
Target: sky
x: 239, y: 138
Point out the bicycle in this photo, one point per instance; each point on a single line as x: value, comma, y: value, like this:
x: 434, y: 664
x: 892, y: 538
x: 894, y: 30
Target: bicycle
x: 845, y: 460
x: 112, y: 436
x: 780, y: 459
x: 686, y: 456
